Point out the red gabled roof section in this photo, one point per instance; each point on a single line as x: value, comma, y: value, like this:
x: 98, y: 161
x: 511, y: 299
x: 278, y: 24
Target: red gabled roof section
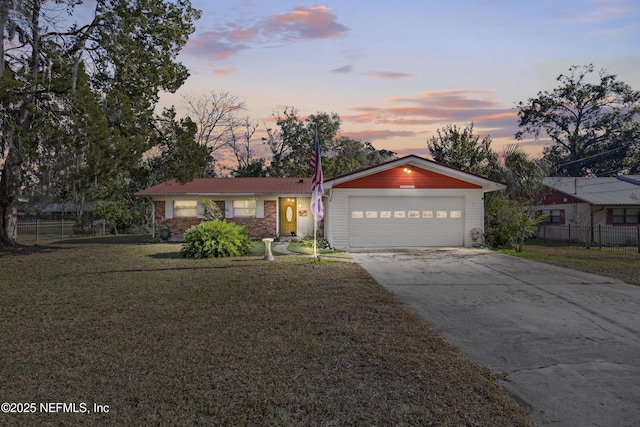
x: 406, y: 176
x: 228, y: 186
x: 416, y: 162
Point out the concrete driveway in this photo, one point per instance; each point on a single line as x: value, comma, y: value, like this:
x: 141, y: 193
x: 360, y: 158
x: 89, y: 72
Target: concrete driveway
x: 566, y: 344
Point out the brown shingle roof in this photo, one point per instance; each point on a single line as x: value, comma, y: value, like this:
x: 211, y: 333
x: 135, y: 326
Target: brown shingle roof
x: 205, y: 186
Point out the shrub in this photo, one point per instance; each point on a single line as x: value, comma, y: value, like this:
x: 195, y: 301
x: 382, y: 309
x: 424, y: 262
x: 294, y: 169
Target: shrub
x: 321, y: 242
x: 215, y: 239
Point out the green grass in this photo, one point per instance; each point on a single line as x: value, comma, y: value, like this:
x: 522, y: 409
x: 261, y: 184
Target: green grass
x: 164, y: 340
x: 299, y: 248
x: 617, y: 265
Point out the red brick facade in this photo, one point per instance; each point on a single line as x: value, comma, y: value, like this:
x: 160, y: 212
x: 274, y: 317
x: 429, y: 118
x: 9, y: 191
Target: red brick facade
x: 257, y: 227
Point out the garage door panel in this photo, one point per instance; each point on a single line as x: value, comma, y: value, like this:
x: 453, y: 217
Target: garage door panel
x: 406, y: 221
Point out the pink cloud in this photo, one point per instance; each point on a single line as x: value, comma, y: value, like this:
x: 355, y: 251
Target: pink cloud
x: 458, y: 105
x: 223, y: 72
x: 301, y: 23
x: 241, y: 34
x: 376, y: 135
x: 212, y: 45
x: 387, y: 75
x: 440, y: 108
x: 304, y: 23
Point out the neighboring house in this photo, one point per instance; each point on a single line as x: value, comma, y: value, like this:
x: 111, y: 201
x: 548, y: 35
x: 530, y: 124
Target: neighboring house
x: 409, y: 201
x: 587, y: 203
x: 61, y: 210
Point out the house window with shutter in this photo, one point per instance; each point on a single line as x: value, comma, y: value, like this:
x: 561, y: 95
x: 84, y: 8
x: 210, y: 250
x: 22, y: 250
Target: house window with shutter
x: 185, y: 209
x: 555, y: 216
x: 244, y: 208
x: 625, y: 216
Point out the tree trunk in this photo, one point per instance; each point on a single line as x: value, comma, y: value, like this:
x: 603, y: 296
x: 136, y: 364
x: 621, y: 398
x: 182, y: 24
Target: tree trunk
x: 10, y: 182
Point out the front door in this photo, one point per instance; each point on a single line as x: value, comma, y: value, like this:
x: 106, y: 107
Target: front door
x: 288, y: 216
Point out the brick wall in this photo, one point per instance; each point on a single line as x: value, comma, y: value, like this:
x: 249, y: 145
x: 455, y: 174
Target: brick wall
x: 261, y: 227
x: 257, y: 227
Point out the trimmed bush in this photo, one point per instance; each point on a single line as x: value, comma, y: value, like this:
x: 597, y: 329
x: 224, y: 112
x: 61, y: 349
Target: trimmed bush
x: 215, y: 239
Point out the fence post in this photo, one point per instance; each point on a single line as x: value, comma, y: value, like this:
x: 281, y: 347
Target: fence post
x: 37, y: 229
x: 638, y: 237
x: 569, y: 233
x: 600, y: 235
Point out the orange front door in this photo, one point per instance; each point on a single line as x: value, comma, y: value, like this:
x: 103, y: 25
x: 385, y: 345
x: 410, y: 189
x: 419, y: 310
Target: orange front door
x: 288, y: 217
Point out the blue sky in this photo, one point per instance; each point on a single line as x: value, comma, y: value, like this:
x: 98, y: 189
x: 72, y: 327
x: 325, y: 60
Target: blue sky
x: 396, y: 72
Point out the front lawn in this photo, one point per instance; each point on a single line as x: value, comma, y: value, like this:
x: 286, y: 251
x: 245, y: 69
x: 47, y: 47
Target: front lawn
x: 162, y: 340
x: 617, y: 265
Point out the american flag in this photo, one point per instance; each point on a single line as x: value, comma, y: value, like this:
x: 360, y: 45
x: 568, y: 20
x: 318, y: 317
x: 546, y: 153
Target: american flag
x: 316, y: 182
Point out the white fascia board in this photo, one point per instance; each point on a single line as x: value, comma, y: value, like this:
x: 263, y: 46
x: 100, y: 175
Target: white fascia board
x: 486, y: 184
x: 222, y: 194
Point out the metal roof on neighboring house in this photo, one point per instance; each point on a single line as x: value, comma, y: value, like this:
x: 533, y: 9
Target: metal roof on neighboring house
x: 621, y: 190
x: 230, y: 186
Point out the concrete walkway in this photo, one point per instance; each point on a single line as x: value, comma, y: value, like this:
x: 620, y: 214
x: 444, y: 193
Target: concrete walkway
x: 282, y: 248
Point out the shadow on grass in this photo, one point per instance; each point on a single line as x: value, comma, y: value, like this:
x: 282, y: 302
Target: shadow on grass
x: 167, y: 255
x: 178, y: 255
x: 127, y: 239
x: 151, y: 270
x: 30, y: 250
x: 229, y: 262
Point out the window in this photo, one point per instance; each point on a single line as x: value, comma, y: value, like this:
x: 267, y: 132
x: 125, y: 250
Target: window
x: 244, y: 208
x: 555, y: 216
x: 626, y: 216
x: 185, y: 209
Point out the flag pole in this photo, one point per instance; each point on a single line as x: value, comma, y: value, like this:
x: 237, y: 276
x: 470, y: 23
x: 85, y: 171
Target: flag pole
x: 315, y: 232
x: 316, y: 190
x: 315, y: 217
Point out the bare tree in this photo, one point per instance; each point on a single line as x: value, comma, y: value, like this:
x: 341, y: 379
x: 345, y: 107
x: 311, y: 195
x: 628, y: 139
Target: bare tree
x: 216, y: 115
x: 240, y: 143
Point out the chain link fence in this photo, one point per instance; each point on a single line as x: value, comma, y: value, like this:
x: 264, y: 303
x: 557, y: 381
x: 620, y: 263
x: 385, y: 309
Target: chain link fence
x: 37, y: 230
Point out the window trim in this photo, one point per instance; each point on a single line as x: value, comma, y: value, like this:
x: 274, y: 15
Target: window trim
x: 550, y: 219
x: 249, y: 211
x: 180, y: 205
x: 625, y: 216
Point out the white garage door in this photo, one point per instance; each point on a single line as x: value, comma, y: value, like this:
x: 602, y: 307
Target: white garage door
x: 406, y: 221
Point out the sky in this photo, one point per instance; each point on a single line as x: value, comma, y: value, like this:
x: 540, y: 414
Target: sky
x: 395, y: 72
